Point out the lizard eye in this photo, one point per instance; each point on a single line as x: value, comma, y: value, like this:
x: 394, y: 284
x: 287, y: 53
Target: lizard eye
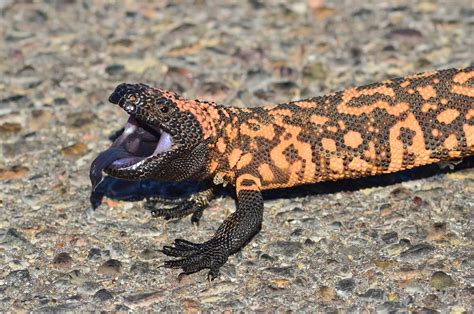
x: 164, y: 108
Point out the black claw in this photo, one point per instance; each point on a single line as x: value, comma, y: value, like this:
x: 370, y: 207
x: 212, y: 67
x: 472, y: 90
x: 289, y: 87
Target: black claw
x: 193, y: 257
x: 213, y: 274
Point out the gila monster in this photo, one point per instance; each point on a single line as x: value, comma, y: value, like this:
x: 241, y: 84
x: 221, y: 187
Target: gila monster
x: 374, y: 129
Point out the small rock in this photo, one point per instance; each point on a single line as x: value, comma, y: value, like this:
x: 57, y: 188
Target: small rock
x: 437, y: 232
x: 80, y: 119
x: 386, y: 210
x: 401, y: 193
x: 15, y: 172
x: 297, y: 232
x: 323, y: 12
x: 385, y: 264
x: 18, y: 277
x: 326, y: 293
x: 12, y: 238
x: 94, y: 253
x: 335, y: 225
x: 148, y: 254
x: 140, y: 267
x: 60, y: 101
x: 374, y: 295
x: 390, y: 307
x: 280, y: 283
x: 314, y: 72
x: 103, y: 295
x: 409, y: 35
x: 265, y: 256
x: 217, y: 91
x: 390, y: 237
x: 440, y: 280
x: 419, y: 202
x: 281, y: 271
x: 40, y: 120
x: 220, y: 287
x: 286, y: 248
x: 62, y: 261
x: 112, y: 267
x: 431, y: 300
x: 10, y: 127
x: 191, y: 306
x: 144, y: 299
x: 88, y: 287
x: 345, y: 286
x: 74, y: 150
x: 414, y: 288
x: 114, y: 69
x: 417, y: 251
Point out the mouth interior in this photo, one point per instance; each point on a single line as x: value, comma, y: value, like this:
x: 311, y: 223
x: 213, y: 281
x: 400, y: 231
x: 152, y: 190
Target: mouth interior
x: 138, y: 142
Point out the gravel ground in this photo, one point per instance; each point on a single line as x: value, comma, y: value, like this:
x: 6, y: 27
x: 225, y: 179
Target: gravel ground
x: 402, y: 242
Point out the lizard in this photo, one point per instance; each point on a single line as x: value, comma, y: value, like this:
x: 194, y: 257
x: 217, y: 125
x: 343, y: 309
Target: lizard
x: 374, y: 129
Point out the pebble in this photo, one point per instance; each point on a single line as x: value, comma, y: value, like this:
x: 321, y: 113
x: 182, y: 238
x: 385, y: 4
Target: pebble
x: 10, y: 127
x: 103, y: 295
x: 344, y: 287
x: 314, y: 72
x: 112, y: 267
x: 80, y: 119
x: 390, y: 237
x: 115, y: 69
x: 285, y: 248
x: 14, y: 172
x: 191, y: 306
x: 18, y: 278
x: 418, y: 251
x: 374, y: 295
x: 140, y: 267
x: 74, y: 150
x: 281, y: 271
x: 88, y: 287
x: 144, y: 299
x: 150, y: 253
x: 62, y: 261
x: 12, y: 238
x: 326, y: 293
x: 440, y: 280
x: 94, y: 253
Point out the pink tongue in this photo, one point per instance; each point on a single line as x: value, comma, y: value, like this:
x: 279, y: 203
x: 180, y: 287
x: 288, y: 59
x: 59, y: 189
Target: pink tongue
x: 105, y: 159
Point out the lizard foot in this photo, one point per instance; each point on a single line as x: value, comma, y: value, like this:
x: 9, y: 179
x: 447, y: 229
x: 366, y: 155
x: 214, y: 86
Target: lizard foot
x: 184, y: 208
x: 196, y: 256
x: 194, y: 205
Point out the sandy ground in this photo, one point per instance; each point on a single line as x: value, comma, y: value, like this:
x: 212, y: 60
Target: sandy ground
x: 394, y: 243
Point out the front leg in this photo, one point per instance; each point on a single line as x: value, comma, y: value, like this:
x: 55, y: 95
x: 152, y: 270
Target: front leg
x: 235, y: 232
x: 194, y: 205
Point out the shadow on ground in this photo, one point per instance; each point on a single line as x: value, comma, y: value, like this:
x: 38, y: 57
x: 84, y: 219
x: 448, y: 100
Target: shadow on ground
x: 118, y: 189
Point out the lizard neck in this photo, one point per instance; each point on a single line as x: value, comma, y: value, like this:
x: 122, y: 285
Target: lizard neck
x: 224, y: 144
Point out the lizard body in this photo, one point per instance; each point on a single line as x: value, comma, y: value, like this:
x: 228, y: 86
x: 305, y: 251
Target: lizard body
x: 378, y: 128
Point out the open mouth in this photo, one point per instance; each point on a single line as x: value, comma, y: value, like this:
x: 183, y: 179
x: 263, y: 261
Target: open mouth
x: 138, y: 142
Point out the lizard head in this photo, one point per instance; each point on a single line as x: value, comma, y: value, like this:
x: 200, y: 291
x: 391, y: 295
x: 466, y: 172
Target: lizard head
x: 165, y: 137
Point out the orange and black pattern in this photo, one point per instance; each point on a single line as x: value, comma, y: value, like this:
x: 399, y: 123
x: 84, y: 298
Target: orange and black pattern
x: 379, y: 128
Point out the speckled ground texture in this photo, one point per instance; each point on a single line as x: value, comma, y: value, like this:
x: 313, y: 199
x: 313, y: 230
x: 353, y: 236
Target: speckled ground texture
x: 402, y: 242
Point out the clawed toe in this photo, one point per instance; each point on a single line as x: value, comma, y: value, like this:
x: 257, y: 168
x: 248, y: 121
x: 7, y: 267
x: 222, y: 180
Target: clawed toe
x: 195, y: 257
x: 184, y: 208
